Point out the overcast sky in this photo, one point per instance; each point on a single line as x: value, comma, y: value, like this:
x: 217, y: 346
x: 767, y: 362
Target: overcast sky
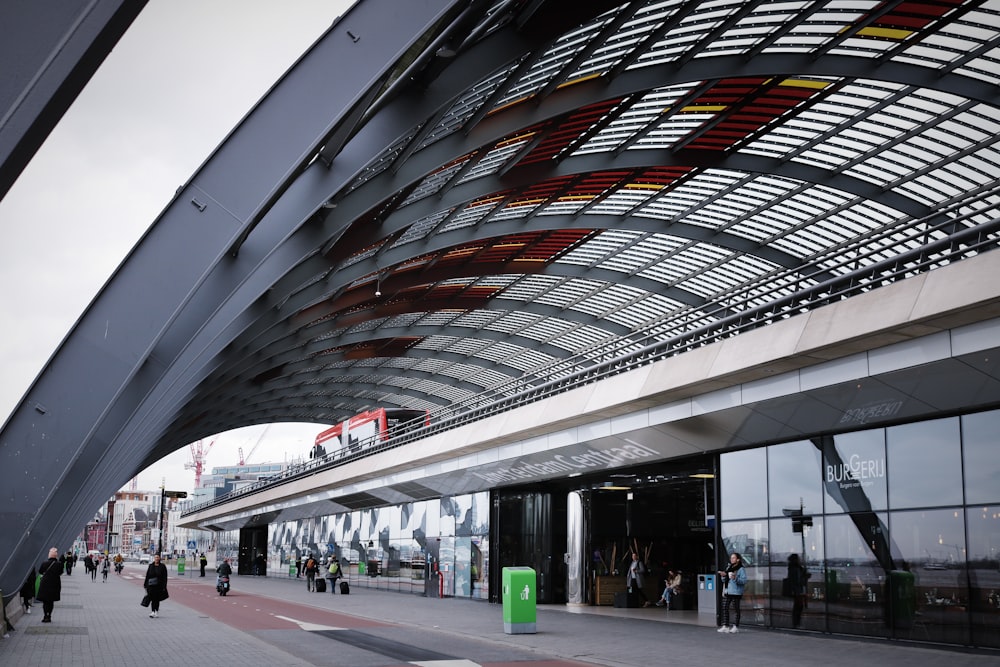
x: 181, y: 77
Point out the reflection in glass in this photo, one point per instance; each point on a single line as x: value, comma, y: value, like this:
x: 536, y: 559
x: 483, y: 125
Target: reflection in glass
x: 925, y: 464
x: 984, y: 574
x: 463, y: 566
x: 855, y: 579
x: 446, y: 566
x: 797, y: 465
x: 743, y: 478
x: 480, y: 566
x: 808, y: 544
x: 980, y: 442
x: 388, y: 548
x: 750, y: 540
x: 854, y: 471
x: 432, y: 517
x: 932, y: 601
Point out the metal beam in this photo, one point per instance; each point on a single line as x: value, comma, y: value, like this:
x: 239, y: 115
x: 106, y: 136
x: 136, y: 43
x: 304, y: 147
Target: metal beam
x: 127, y: 359
x: 49, y: 52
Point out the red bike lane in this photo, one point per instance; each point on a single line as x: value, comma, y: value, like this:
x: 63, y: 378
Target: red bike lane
x: 248, y: 612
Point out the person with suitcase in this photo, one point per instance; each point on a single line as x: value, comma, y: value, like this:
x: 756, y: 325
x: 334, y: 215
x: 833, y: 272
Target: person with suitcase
x: 333, y: 574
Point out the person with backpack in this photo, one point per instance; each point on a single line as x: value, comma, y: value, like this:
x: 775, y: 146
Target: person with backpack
x: 333, y: 573
x: 312, y: 567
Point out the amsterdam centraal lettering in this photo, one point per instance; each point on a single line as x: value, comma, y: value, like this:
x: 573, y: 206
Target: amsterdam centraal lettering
x: 560, y: 464
x: 855, y: 472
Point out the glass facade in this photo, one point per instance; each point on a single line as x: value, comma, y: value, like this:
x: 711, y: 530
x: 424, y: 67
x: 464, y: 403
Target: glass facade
x: 898, y: 527
x: 437, y: 547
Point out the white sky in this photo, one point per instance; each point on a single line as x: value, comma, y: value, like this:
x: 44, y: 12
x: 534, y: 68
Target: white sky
x: 178, y: 81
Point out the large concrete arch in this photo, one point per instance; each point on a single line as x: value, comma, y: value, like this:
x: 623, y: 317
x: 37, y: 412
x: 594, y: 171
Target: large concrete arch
x: 70, y: 448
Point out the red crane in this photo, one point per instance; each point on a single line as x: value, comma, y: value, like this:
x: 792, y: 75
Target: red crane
x: 197, y: 462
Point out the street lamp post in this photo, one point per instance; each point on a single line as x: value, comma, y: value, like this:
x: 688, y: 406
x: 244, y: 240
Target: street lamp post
x: 164, y: 494
x: 107, y: 530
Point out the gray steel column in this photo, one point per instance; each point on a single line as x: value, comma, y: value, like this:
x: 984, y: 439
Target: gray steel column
x: 575, y: 549
x: 78, y: 434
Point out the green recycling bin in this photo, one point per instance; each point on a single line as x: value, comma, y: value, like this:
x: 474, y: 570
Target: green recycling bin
x: 291, y: 568
x: 180, y: 566
x: 519, y: 595
x: 902, y: 588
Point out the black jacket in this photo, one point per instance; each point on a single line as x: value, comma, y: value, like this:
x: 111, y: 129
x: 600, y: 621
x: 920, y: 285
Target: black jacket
x: 28, y: 587
x: 51, y: 586
x: 159, y: 590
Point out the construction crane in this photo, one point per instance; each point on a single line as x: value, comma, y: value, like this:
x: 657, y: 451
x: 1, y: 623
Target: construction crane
x: 197, y: 462
x: 260, y: 439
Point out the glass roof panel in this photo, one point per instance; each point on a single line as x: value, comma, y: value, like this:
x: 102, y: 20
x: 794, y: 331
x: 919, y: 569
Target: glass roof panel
x: 595, y: 249
x: 470, y: 215
x: 421, y: 228
x: 639, y: 314
x: 496, y: 158
x: 551, y: 63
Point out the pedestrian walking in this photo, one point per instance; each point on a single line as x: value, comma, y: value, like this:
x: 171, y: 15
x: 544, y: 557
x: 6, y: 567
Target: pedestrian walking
x: 634, y: 577
x: 105, y: 568
x: 312, y: 567
x: 333, y: 574
x: 28, y: 590
x: 298, y: 566
x: 50, y: 586
x: 155, y: 584
x: 736, y: 579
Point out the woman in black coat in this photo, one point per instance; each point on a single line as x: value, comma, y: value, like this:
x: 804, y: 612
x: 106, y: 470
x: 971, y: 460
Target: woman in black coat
x: 28, y: 591
x: 156, y: 585
x: 51, y: 584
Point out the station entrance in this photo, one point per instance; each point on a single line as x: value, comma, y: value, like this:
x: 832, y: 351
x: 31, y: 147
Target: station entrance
x: 664, y: 511
x: 253, y: 543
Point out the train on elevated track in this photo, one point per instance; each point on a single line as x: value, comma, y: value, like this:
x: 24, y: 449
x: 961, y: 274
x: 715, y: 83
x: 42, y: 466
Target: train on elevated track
x: 368, y: 429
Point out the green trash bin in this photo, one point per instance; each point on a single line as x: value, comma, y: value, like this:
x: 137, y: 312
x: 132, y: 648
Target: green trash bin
x: 291, y: 568
x: 832, y: 591
x: 519, y: 594
x: 902, y: 589
x: 180, y: 566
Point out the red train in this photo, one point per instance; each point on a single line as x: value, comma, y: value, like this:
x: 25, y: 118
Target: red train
x: 373, y: 426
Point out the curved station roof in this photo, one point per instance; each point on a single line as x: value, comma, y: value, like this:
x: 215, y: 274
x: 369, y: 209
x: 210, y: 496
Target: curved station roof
x: 498, y: 199
x: 660, y: 173
x: 586, y: 187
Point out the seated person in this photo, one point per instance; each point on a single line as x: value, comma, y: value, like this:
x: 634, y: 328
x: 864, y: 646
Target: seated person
x: 673, y: 587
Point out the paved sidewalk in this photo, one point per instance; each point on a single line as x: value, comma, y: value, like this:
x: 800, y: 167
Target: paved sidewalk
x: 98, y: 623
x: 103, y: 624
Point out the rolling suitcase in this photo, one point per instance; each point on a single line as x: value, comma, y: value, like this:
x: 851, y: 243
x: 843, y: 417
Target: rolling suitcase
x: 321, y: 585
x: 345, y: 588
x: 626, y: 600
